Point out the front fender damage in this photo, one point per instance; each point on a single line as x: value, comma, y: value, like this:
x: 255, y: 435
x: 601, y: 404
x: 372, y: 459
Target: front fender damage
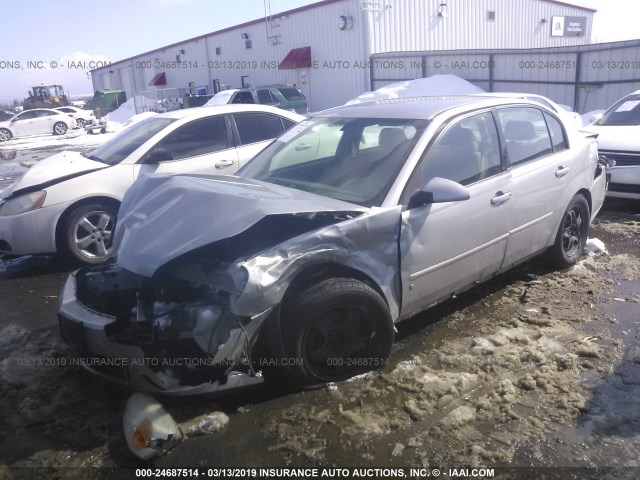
x: 204, y: 284
x: 367, y: 243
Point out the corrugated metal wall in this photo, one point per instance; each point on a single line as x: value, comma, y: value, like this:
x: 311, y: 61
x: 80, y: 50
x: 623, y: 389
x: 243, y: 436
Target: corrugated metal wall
x: 410, y: 25
x: 339, y: 73
x: 585, y: 77
x: 341, y: 70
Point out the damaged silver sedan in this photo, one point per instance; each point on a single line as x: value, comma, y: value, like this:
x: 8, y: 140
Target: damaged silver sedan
x: 353, y: 220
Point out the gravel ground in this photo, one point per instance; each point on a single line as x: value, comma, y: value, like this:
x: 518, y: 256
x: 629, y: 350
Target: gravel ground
x: 537, y: 368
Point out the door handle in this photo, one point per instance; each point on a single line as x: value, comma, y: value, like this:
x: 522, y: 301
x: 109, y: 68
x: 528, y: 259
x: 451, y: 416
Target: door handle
x: 302, y: 146
x: 500, y: 198
x: 562, y: 171
x: 224, y: 163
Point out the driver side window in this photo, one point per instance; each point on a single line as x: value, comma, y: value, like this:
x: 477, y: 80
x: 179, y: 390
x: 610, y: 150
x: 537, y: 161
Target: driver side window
x: 466, y: 152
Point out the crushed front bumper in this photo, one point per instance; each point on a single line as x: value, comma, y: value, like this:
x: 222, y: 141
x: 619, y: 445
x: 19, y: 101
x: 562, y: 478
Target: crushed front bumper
x: 87, y: 332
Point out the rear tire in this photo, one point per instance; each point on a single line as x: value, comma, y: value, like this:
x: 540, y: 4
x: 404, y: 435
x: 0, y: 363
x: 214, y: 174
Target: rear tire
x: 59, y: 128
x: 87, y: 233
x: 572, y: 233
x: 334, y: 330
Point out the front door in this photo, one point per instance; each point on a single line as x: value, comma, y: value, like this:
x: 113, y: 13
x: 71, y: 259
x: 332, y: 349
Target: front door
x: 200, y: 146
x: 447, y: 247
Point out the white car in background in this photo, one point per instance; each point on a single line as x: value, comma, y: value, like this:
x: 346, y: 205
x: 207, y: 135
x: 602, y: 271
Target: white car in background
x: 79, y: 115
x: 34, y: 122
x: 618, y: 132
x: 68, y: 202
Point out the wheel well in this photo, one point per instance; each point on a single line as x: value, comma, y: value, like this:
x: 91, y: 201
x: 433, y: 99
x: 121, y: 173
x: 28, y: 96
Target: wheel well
x: 587, y: 195
x: 85, y: 201
x: 321, y: 271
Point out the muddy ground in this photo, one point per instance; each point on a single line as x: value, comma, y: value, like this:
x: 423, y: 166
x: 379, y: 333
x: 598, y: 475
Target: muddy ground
x: 537, y: 368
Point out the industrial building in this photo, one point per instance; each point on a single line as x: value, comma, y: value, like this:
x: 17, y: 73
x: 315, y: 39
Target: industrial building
x: 326, y: 48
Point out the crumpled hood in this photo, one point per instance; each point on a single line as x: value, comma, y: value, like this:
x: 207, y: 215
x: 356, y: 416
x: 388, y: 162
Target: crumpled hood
x: 616, y: 137
x: 58, y: 166
x: 163, y: 217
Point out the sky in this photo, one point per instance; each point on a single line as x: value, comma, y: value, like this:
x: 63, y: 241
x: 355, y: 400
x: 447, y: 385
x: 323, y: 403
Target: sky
x: 42, y: 32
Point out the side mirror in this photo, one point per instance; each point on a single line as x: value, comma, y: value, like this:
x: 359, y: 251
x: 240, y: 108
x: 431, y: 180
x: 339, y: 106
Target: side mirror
x: 159, y: 155
x: 439, y: 190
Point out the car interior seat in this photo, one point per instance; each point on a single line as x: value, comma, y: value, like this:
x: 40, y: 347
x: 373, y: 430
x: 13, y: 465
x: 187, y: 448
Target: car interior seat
x: 455, y: 156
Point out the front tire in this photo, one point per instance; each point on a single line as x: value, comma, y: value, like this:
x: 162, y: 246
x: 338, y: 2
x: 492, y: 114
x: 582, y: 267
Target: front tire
x: 87, y: 233
x: 5, y: 135
x: 80, y: 122
x: 59, y: 128
x: 572, y: 233
x: 334, y: 330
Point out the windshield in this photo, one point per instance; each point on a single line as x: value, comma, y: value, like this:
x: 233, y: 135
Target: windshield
x: 625, y: 112
x: 125, y: 143
x: 351, y: 159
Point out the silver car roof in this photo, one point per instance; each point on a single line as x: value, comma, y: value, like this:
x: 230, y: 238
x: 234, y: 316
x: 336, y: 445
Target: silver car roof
x: 419, y: 107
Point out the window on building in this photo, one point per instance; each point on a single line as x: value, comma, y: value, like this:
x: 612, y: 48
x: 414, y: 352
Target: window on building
x: 218, y: 51
x: 257, y: 127
x: 525, y: 132
x: 248, y: 45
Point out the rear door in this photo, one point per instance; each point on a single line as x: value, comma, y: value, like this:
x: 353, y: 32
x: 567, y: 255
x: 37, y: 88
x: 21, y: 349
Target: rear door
x: 46, y: 119
x: 254, y: 131
x: 447, y: 247
x: 540, y: 164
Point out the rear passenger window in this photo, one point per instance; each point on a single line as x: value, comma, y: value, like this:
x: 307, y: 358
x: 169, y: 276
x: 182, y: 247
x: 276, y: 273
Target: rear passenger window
x: 256, y: 127
x: 265, y: 97
x: 468, y: 151
x: 525, y: 132
x: 558, y: 139
x: 291, y: 93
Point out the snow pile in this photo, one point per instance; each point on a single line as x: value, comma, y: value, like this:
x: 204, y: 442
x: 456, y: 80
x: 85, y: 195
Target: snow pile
x: 220, y: 98
x: 593, y: 246
x: 436, y: 85
x: 127, y: 110
x: 205, y: 424
x: 591, y: 116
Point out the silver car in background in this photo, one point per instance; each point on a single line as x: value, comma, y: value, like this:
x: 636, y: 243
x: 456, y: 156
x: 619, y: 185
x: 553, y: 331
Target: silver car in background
x: 353, y: 220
